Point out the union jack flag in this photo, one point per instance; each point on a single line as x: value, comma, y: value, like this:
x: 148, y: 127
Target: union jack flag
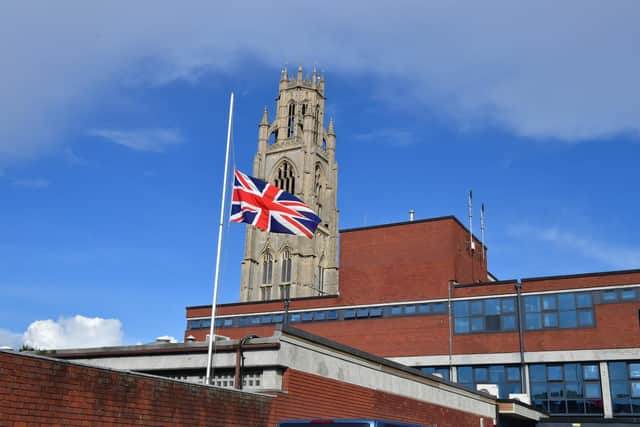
x: 269, y: 208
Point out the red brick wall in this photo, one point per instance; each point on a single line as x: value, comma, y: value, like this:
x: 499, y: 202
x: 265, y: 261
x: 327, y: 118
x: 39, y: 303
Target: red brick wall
x: 404, y: 262
x: 41, y: 391
x: 311, y: 396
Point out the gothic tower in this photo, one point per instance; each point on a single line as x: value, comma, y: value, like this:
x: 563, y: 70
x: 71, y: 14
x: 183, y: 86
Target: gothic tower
x: 297, y: 154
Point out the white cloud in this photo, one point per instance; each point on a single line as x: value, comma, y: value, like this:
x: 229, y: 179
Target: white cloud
x: 36, y: 184
x: 565, y: 70
x: 156, y: 140
x: 73, y: 332
x: 616, y: 256
x: 10, y: 339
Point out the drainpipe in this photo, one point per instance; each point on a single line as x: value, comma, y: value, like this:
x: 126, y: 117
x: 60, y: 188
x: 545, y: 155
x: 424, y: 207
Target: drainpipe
x: 240, y: 360
x: 520, y: 334
x: 451, y: 282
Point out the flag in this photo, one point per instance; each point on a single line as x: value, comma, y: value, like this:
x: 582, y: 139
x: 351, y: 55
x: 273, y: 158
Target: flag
x: 270, y: 208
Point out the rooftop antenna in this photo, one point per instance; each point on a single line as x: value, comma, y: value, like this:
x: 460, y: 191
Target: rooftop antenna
x: 472, y: 244
x: 484, y: 259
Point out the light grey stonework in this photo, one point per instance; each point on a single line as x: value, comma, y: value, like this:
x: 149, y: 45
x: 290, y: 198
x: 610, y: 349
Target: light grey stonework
x: 296, y: 153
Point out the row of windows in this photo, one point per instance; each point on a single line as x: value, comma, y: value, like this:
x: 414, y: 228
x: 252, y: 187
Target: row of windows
x: 559, y: 388
x: 324, y: 315
x: 551, y: 311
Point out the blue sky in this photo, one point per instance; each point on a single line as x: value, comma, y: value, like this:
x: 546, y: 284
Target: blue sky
x: 113, y: 123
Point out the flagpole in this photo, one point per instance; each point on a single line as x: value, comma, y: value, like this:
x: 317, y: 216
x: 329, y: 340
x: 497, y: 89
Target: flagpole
x: 220, y: 229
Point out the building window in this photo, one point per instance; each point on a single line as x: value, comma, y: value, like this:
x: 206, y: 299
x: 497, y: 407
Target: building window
x: 569, y: 388
x: 624, y: 380
x: 285, y: 277
x: 291, y: 121
x: 285, y: 178
x: 267, y: 268
x: 285, y: 291
x: 506, y: 377
x: 567, y: 310
x: 485, y: 315
x: 265, y: 293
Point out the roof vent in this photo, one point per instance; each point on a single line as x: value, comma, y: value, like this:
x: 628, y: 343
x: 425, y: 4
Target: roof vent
x: 165, y: 339
x: 190, y: 338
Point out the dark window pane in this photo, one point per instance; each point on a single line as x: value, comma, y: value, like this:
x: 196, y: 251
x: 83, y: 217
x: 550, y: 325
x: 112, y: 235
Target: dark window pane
x: 532, y: 321
x: 538, y: 372
x: 575, y: 406
x: 508, y: 323
x: 332, y: 315
x: 557, y: 407
x: 514, y: 388
x: 566, y: 302
x: 461, y: 325
x: 592, y: 390
x: 375, y: 312
x: 481, y: 375
x: 295, y: 317
x: 227, y: 323
x: 438, y: 307
x: 635, y: 389
x: 461, y: 308
x: 265, y: 319
x: 585, y: 318
x: 396, y: 311
x: 476, y: 307
x: 591, y: 372
x: 609, y: 296
x: 568, y: 319
x: 349, y: 314
x: 492, y: 306
x: 410, y: 309
x: 555, y: 373
x: 362, y: 312
x: 583, y: 300
x: 620, y: 390
x: 307, y: 316
x: 508, y: 305
x: 572, y: 372
x: 618, y: 371
x: 628, y: 294
x: 634, y: 370
x: 477, y: 324
x: 513, y: 374
x: 550, y: 320
x: 424, y: 308
x: 465, y: 374
x: 320, y: 315
x: 256, y: 320
x: 277, y: 318
x: 549, y: 302
x: 539, y: 390
x: 573, y: 390
x: 496, y: 374
x: 532, y: 304
x: 556, y: 391
x: 493, y: 322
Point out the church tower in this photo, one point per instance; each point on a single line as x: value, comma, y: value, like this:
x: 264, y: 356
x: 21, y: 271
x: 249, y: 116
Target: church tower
x: 297, y: 154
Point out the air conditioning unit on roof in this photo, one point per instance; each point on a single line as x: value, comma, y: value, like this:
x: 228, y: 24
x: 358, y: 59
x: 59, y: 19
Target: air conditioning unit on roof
x: 492, y: 389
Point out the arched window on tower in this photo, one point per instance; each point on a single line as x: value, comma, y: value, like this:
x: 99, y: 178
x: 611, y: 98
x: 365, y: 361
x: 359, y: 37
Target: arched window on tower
x: 318, y: 187
x: 273, y: 138
x: 285, y: 178
x: 291, y: 121
x: 267, y: 268
x: 285, y: 276
x: 316, y: 123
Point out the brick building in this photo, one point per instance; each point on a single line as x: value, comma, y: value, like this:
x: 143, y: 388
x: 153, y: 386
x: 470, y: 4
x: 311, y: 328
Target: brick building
x: 420, y: 293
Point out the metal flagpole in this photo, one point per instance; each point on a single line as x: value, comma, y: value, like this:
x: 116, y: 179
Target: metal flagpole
x: 217, y: 273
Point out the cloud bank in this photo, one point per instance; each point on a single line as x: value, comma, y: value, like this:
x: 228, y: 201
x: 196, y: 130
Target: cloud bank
x: 73, y: 332
x: 560, y: 70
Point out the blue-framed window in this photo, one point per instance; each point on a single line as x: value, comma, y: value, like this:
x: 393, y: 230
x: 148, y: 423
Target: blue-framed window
x: 485, y: 315
x: 566, y: 389
x: 506, y: 377
x: 443, y: 371
x: 624, y: 380
x: 565, y: 310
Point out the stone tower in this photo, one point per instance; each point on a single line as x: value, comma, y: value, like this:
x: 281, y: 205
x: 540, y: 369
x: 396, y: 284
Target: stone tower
x: 297, y: 154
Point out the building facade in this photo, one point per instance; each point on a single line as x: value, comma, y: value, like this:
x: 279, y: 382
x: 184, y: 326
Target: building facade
x: 296, y: 153
x: 419, y: 293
